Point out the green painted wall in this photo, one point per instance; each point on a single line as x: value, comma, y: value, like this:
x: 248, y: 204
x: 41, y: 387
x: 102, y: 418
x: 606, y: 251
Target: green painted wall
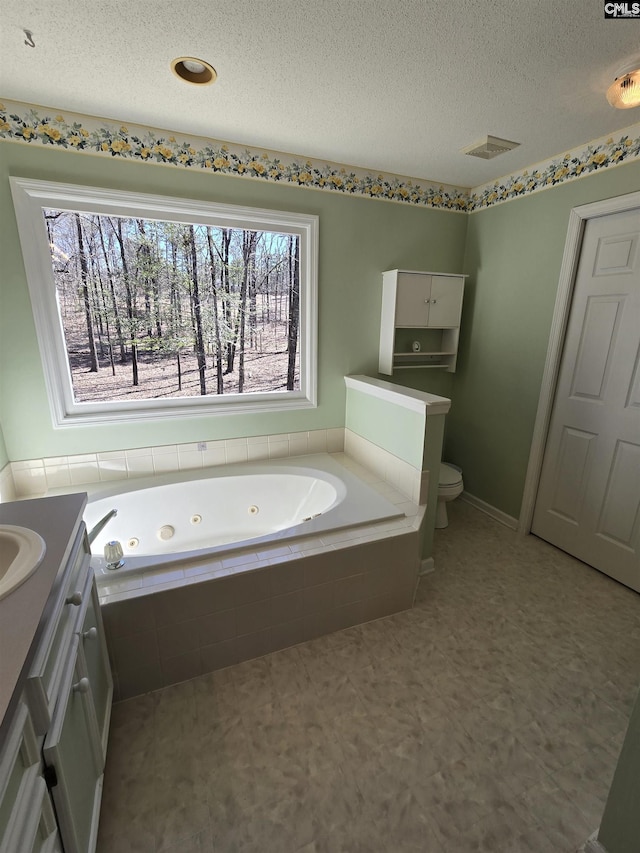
x: 513, y: 256
x: 397, y: 430
x: 359, y: 238
x: 512, y: 253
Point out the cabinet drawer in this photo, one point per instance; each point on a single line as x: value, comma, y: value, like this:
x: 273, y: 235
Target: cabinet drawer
x: 46, y: 673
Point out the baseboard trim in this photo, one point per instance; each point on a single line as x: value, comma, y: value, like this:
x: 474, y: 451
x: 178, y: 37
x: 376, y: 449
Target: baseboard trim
x: 497, y: 514
x: 427, y: 566
x: 592, y: 845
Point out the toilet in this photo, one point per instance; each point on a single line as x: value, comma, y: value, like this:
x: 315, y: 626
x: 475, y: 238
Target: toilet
x: 450, y: 485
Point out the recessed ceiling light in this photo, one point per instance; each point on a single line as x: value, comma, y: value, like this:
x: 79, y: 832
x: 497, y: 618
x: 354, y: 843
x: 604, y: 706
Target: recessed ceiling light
x: 193, y: 70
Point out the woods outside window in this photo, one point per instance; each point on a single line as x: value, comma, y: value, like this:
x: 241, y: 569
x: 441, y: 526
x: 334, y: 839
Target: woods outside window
x: 149, y: 306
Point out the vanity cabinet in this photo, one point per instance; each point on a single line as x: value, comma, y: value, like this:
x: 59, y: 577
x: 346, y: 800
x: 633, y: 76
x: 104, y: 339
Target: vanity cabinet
x: 93, y: 648
x: 53, y: 754
x: 420, y: 320
x: 50, y: 662
x: 73, y: 756
x: 26, y: 813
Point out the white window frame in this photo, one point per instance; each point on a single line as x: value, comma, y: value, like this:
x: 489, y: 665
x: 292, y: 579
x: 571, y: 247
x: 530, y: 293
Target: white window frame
x: 30, y: 197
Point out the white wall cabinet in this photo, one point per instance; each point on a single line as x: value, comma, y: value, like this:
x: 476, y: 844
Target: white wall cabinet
x: 420, y: 320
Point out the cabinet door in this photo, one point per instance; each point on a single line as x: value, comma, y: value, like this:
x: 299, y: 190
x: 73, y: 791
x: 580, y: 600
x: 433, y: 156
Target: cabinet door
x: 19, y: 772
x: 34, y: 830
x: 74, y: 751
x: 413, y: 300
x: 96, y: 657
x: 445, y: 305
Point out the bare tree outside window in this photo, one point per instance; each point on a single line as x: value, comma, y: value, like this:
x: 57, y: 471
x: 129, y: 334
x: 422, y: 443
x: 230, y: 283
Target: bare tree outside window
x: 154, y: 310
x: 150, y: 307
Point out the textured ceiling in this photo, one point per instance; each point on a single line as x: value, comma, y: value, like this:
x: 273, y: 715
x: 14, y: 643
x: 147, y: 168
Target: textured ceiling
x: 390, y: 85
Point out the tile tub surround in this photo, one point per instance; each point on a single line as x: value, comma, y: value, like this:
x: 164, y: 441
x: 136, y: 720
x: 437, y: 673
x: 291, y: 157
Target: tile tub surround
x: 35, y: 477
x: 164, y: 636
x: 250, y: 508
x: 391, y: 427
x: 7, y: 487
x: 487, y: 718
x: 171, y: 624
x: 113, y: 586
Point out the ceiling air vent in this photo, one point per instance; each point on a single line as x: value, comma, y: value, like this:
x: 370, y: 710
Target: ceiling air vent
x: 489, y: 147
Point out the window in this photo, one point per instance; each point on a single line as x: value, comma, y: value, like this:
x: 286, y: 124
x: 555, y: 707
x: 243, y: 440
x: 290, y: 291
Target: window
x: 147, y: 306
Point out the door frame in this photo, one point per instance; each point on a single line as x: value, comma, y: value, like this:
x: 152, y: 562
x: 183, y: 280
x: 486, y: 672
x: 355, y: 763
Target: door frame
x: 578, y: 218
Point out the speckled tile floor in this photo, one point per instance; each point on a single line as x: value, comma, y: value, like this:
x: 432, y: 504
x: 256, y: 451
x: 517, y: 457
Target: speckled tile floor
x: 488, y: 718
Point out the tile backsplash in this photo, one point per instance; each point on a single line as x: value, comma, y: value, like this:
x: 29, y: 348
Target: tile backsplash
x: 398, y: 473
x: 35, y: 477
x: 7, y: 487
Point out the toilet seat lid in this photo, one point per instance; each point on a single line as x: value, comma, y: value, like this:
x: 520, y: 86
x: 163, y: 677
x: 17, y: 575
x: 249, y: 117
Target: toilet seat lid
x: 449, y: 475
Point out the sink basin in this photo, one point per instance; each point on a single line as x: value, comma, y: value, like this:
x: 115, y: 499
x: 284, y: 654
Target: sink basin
x: 21, y: 552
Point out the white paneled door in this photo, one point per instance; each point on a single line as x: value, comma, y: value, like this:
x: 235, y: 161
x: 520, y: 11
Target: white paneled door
x: 588, y: 500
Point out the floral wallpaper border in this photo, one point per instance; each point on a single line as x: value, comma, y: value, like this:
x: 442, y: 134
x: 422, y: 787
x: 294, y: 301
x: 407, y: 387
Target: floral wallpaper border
x: 28, y: 124
x: 596, y: 156
x: 32, y: 124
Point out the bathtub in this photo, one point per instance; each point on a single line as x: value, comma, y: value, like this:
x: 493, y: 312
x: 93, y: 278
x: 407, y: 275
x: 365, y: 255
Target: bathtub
x: 336, y: 553
x: 190, y: 517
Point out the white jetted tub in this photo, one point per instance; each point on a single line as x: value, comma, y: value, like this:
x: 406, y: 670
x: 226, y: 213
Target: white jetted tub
x: 192, y: 516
